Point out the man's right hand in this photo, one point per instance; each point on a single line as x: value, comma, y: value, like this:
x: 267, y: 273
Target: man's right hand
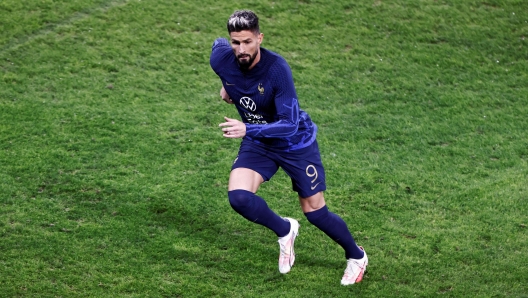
x: 225, y: 96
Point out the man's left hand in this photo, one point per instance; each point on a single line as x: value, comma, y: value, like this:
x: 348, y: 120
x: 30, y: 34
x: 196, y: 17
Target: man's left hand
x: 233, y: 128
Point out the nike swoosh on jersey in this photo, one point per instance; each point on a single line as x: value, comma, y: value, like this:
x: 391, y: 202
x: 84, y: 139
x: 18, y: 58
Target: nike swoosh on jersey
x: 313, y: 187
x: 229, y: 84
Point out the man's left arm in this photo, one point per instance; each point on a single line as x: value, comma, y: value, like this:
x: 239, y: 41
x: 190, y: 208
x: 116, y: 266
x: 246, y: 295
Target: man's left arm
x: 286, y: 105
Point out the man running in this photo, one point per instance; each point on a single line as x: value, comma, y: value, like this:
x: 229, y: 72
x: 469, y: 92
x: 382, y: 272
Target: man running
x: 275, y: 133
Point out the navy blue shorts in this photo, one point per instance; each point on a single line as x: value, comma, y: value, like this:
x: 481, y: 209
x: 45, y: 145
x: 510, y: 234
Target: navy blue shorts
x: 303, y: 166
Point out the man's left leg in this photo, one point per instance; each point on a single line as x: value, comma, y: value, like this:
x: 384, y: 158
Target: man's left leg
x: 306, y: 170
x: 317, y: 213
x: 331, y: 224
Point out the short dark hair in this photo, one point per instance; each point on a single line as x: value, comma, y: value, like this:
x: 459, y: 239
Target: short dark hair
x: 242, y: 20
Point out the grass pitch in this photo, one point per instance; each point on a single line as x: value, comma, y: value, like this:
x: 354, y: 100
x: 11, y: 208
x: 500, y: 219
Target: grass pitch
x: 113, y: 171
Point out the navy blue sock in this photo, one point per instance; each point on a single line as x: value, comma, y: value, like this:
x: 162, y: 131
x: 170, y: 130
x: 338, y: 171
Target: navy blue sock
x: 333, y: 226
x: 255, y: 209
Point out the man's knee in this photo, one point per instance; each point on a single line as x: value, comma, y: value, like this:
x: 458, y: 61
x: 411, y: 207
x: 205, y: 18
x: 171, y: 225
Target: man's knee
x: 318, y: 216
x: 240, y: 199
x: 312, y: 203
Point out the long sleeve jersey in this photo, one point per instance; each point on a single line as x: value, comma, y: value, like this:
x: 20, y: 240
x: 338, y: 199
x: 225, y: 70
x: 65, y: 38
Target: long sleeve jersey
x: 265, y: 98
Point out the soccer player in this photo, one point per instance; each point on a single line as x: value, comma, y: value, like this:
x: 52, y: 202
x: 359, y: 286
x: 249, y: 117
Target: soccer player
x: 275, y: 133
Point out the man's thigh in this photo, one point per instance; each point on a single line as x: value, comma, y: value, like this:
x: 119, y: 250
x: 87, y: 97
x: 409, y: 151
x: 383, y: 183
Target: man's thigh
x: 246, y: 179
x: 305, y: 169
x: 251, y: 168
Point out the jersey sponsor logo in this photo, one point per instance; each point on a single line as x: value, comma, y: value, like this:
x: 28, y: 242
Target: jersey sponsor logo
x: 255, y: 118
x: 248, y: 104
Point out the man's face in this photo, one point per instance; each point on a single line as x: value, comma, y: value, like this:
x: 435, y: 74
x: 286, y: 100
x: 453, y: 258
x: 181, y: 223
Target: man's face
x: 246, y: 47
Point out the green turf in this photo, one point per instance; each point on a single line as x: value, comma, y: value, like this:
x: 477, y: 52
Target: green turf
x: 113, y: 170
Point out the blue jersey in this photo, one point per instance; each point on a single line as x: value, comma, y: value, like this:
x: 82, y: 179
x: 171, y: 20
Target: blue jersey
x: 265, y: 98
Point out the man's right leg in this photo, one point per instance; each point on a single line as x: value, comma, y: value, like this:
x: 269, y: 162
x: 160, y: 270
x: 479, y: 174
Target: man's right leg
x: 243, y: 183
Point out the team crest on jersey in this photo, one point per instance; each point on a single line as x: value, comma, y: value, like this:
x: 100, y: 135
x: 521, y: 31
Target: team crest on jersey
x: 260, y: 89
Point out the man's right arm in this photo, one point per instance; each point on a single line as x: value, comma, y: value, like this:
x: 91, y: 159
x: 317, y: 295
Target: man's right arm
x: 225, y: 96
x: 219, y: 51
x: 219, y: 54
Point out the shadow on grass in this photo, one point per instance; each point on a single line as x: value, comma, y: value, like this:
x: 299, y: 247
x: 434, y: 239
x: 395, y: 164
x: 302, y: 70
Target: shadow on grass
x: 214, y: 236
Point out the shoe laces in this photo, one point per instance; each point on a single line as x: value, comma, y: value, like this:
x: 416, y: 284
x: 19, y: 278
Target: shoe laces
x: 284, y: 251
x: 283, y: 248
x: 353, y: 266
